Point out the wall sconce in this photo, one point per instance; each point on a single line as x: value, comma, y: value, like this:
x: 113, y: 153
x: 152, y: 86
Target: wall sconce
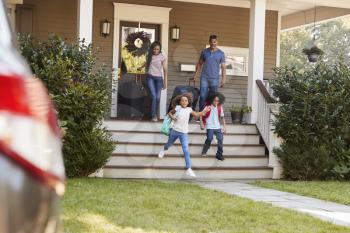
x: 105, y: 27
x: 175, y: 33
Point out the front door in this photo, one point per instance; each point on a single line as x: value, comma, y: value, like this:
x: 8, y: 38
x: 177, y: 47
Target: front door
x: 133, y: 94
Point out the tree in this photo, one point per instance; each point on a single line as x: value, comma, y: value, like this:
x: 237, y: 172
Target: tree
x: 332, y: 37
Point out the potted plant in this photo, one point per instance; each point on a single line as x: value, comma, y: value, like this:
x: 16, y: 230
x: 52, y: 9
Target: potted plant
x: 245, y: 111
x: 236, y: 114
x: 313, y: 53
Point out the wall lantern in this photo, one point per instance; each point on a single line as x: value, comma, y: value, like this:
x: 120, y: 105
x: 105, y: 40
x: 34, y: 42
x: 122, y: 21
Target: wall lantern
x: 175, y: 33
x: 105, y: 27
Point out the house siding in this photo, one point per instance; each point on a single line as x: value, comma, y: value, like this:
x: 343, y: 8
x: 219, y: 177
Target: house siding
x: 196, y: 21
x: 53, y: 16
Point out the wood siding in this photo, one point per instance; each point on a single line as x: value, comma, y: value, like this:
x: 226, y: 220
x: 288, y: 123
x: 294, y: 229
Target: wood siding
x: 196, y: 21
x: 54, y: 16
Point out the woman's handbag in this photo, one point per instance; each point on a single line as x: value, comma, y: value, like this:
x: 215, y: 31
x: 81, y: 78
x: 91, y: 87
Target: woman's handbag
x: 166, y: 126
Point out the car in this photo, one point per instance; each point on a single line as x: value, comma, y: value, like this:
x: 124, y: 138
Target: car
x: 32, y: 176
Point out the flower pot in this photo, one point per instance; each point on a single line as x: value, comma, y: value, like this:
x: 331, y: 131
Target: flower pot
x: 236, y: 117
x: 313, y: 57
x: 245, y: 117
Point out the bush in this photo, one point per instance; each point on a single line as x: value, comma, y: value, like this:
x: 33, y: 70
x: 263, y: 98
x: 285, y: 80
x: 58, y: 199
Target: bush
x: 314, y: 122
x: 81, y: 94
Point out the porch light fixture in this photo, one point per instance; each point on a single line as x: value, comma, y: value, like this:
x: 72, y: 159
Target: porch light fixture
x: 175, y: 33
x: 105, y: 28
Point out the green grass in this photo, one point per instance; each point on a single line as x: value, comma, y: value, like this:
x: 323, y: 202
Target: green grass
x: 335, y: 191
x: 138, y: 206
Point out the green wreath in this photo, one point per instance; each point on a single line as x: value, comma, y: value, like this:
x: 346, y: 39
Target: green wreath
x: 138, y: 43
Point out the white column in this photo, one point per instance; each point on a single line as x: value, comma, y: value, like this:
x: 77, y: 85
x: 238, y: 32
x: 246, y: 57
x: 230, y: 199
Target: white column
x: 278, y: 47
x: 256, y: 53
x: 85, y: 9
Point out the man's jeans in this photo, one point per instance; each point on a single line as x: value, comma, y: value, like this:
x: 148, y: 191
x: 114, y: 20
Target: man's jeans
x: 184, y: 143
x: 210, y: 136
x: 155, y: 85
x: 207, y: 85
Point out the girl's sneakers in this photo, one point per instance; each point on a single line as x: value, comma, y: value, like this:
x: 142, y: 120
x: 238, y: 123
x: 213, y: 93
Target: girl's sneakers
x: 161, y: 154
x: 190, y: 173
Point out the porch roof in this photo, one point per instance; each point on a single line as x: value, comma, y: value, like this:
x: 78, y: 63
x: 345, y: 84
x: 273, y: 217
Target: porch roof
x: 285, y: 7
x: 294, y: 13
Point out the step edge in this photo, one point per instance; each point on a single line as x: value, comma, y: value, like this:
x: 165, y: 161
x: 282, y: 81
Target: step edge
x: 183, y: 168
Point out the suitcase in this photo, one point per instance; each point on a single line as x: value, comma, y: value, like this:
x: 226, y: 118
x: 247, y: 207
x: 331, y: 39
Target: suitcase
x: 182, y: 89
x: 131, y: 98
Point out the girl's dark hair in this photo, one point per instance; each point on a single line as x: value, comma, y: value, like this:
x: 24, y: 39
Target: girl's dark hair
x: 213, y: 95
x: 177, y: 99
x: 150, y: 53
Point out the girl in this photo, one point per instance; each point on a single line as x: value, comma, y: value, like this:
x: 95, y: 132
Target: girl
x: 157, y: 75
x: 212, y: 122
x: 180, y: 115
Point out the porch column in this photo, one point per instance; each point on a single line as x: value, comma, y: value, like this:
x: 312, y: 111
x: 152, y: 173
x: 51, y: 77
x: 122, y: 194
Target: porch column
x: 85, y: 9
x: 278, y: 46
x: 256, y: 53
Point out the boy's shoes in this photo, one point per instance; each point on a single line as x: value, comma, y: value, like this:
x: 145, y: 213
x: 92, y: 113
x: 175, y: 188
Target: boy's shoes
x: 220, y: 157
x: 204, y: 154
x: 161, y: 154
x: 154, y: 119
x: 190, y: 173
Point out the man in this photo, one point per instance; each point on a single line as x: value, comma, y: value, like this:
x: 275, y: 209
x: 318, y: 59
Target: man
x: 210, y: 62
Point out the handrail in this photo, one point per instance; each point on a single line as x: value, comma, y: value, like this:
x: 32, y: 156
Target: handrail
x: 269, y: 99
x: 267, y: 108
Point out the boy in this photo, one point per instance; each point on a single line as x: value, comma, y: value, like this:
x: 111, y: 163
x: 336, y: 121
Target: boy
x: 212, y: 122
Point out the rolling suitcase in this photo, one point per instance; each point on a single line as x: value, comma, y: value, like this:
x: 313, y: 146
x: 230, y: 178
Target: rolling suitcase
x: 182, y: 89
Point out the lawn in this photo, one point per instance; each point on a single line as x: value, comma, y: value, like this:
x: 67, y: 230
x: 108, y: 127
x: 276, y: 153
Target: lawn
x: 138, y: 206
x: 335, y: 191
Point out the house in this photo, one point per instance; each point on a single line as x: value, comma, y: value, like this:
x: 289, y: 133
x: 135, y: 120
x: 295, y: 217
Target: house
x: 248, y: 31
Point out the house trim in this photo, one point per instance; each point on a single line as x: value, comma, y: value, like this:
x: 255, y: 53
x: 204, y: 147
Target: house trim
x: 144, y: 14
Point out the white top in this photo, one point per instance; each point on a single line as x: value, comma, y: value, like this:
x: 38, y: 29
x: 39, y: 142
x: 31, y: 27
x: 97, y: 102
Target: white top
x: 183, y: 116
x: 213, y: 121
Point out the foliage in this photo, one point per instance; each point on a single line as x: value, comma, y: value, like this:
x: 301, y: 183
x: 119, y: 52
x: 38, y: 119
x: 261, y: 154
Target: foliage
x: 332, y: 36
x: 81, y: 94
x: 130, y: 206
x: 241, y: 109
x: 314, y: 121
x: 312, y: 50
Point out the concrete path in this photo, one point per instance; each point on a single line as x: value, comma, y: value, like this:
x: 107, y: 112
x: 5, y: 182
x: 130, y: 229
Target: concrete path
x: 329, y: 211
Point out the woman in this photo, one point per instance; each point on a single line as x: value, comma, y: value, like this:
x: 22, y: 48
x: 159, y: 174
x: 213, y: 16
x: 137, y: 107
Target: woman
x: 157, y: 75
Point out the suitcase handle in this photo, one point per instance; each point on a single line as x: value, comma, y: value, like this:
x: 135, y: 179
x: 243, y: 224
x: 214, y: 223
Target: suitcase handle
x: 192, y: 80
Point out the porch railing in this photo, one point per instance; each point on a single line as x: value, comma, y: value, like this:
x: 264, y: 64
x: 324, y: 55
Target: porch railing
x: 263, y: 121
x: 267, y: 109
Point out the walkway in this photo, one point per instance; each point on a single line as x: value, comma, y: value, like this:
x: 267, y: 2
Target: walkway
x: 329, y: 211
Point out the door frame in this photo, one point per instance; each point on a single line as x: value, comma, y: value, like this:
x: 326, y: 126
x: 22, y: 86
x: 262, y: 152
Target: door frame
x: 137, y: 13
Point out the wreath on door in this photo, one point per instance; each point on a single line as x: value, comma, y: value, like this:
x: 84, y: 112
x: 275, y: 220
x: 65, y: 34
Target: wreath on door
x: 134, y: 52
x: 138, y: 43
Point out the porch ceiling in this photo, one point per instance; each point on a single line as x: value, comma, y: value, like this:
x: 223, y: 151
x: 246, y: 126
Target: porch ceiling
x: 285, y: 7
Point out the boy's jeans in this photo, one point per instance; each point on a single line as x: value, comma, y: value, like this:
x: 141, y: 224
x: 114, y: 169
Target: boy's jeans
x: 184, y: 143
x: 210, y: 136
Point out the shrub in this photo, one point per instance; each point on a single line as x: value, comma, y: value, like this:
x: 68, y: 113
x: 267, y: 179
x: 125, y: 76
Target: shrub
x: 314, y: 121
x: 81, y: 94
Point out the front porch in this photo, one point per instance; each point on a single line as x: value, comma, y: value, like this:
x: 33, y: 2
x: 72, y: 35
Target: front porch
x: 249, y: 26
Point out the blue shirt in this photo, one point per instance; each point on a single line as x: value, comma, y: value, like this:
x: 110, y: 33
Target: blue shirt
x: 212, y: 62
x: 213, y: 121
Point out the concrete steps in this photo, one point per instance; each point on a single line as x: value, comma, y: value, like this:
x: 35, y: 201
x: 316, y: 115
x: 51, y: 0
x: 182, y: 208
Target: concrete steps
x: 138, y: 144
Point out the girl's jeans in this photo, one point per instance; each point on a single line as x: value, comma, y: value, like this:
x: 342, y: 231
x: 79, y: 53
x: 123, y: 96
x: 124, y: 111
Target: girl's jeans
x: 184, y: 143
x: 155, y: 85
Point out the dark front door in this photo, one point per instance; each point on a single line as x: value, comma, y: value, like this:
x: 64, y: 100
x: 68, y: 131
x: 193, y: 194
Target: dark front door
x: 133, y: 95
